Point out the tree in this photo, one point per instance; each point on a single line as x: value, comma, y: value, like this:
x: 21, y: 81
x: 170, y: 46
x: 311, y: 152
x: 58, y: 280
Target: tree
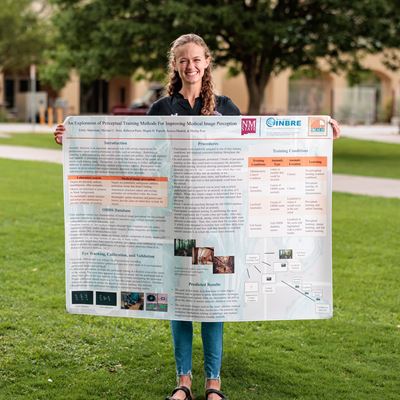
x: 259, y: 38
x: 23, y: 34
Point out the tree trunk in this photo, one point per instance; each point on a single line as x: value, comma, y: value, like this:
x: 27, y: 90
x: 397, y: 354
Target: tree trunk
x: 256, y: 80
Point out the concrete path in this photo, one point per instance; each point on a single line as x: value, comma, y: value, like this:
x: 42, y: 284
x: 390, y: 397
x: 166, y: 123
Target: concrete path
x: 25, y: 128
x: 341, y: 183
x: 381, y: 133
x: 380, y: 187
x: 31, y: 154
x: 377, y: 133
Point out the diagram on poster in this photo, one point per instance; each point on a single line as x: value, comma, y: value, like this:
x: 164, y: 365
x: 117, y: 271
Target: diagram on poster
x: 199, y: 218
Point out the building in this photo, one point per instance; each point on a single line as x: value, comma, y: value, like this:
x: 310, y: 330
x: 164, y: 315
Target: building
x: 375, y: 98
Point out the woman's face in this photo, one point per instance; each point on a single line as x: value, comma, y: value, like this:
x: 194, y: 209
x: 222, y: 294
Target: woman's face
x: 190, y: 62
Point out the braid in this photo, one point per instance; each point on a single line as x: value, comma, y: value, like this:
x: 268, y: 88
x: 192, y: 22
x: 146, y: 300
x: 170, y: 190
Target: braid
x: 174, y: 84
x: 207, y: 93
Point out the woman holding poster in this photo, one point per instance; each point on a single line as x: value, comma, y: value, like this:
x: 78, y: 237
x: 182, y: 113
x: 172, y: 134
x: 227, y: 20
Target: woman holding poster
x: 190, y: 92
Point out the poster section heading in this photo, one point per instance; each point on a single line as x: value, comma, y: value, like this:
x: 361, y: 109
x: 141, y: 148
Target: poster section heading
x: 199, y: 218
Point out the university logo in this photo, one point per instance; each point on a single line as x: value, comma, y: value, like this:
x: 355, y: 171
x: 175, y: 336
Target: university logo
x: 249, y: 126
x: 317, y: 126
x: 275, y: 122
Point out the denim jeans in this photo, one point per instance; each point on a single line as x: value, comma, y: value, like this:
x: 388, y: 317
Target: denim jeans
x: 212, y: 336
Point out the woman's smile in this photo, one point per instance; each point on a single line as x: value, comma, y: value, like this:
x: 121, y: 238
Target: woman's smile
x: 190, y: 63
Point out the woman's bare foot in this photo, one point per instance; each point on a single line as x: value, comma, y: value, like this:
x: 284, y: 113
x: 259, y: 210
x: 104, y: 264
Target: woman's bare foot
x: 184, y: 380
x: 213, y: 384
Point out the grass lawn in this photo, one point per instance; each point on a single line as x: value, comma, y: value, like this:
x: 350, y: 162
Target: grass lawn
x: 367, y: 158
x: 351, y: 156
x: 42, y: 140
x: 49, y: 354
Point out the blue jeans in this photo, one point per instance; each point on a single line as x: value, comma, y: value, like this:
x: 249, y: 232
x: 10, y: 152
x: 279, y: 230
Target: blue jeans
x: 212, y: 336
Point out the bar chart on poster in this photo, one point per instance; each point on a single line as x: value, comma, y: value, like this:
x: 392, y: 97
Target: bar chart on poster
x: 199, y: 218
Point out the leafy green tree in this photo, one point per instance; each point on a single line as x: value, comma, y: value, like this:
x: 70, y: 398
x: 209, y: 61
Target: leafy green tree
x: 23, y: 34
x: 260, y: 38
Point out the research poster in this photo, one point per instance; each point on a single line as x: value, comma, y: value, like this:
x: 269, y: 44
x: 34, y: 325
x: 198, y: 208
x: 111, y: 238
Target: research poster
x: 199, y: 218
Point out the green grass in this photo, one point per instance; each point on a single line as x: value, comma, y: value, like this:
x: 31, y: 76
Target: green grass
x: 42, y: 140
x: 351, y: 156
x: 366, y: 158
x: 353, y: 356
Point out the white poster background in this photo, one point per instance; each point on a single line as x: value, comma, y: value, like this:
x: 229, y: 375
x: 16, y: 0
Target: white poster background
x: 199, y: 218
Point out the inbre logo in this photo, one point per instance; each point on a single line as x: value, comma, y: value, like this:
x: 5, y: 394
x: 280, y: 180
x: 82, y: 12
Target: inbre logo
x: 271, y: 122
x: 248, y: 125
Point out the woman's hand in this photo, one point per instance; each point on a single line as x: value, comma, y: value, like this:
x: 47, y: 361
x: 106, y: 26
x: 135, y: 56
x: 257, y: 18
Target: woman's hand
x: 336, y: 128
x: 58, y: 134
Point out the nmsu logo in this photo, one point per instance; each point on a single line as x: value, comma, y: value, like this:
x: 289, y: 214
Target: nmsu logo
x: 248, y: 126
x: 274, y: 122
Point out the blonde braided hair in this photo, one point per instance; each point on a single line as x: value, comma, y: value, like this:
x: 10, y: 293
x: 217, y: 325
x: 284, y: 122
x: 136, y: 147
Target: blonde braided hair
x: 175, y: 82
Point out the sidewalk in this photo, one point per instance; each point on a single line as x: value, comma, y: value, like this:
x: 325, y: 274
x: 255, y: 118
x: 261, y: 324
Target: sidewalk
x: 379, y: 187
x: 341, y: 183
x: 380, y: 133
x: 31, y: 154
x: 377, y: 133
x: 25, y: 128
